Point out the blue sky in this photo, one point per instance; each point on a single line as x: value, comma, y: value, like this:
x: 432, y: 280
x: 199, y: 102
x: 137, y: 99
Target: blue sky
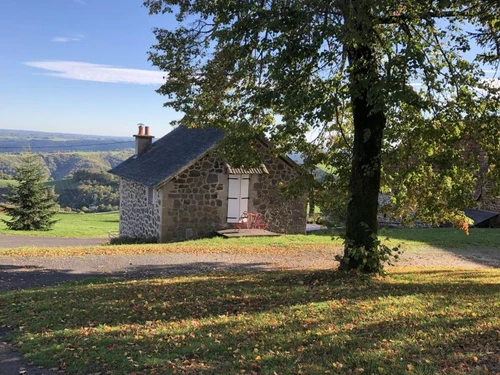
x: 80, y: 66
x: 62, y: 61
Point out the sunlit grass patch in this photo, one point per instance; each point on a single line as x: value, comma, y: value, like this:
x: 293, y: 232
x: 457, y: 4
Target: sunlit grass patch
x: 482, y: 238
x: 71, y: 225
x: 416, y: 321
x: 255, y: 245
x: 411, y: 240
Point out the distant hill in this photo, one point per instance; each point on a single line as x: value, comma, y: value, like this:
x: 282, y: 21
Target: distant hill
x: 15, y: 141
x: 77, y: 164
x: 88, y: 190
x: 64, y: 164
x: 66, y: 171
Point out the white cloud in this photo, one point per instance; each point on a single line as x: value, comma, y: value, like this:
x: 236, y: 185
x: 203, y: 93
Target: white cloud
x: 489, y: 86
x: 82, y: 2
x: 492, y: 82
x: 66, y: 39
x: 84, y: 71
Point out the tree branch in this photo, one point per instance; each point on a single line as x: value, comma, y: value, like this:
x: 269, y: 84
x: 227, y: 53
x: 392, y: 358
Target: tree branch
x: 398, y: 18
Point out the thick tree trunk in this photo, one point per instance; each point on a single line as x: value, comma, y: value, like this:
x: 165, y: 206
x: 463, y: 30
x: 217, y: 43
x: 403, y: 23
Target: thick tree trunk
x: 369, y: 122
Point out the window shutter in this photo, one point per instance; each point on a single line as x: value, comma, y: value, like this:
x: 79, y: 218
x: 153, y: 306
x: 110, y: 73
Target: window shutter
x: 233, y: 199
x: 245, y: 183
x: 237, y: 197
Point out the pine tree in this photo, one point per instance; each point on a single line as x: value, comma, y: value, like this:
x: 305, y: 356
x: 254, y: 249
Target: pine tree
x: 31, y: 205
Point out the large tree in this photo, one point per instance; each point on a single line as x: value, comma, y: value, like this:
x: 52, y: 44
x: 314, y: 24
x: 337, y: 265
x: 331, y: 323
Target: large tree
x: 346, y: 82
x: 31, y: 205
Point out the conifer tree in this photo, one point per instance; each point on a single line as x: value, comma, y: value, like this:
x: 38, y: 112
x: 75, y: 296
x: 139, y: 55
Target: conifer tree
x: 31, y: 205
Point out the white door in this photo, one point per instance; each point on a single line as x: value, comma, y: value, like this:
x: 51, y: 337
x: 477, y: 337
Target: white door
x: 237, y: 198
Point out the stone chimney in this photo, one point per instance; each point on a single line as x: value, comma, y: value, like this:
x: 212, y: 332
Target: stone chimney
x: 143, y: 140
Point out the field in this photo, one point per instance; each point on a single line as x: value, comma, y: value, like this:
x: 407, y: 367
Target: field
x: 72, y: 225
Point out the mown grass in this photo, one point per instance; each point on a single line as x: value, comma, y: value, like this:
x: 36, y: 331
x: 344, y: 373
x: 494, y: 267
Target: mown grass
x: 413, y: 240
x: 443, y: 237
x: 71, y: 225
x: 413, y: 321
x: 275, y: 245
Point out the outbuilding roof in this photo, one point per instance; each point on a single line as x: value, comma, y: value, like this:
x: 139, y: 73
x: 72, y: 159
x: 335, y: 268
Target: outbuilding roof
x: 480, y: 216
x: 168, y: 156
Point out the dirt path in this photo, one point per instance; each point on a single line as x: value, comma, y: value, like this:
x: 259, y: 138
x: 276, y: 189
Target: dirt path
x: 23, y: 241
x: 12, y: 363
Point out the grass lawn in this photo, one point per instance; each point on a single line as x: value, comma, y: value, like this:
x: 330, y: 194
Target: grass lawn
x: 414, y: 240
x: 443, y: 237
x: 413, y: 321
x: 72, y: 225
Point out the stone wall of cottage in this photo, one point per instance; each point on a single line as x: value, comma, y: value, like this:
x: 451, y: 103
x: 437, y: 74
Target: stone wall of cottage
x: 195, y: 202
x: 139, y: 212
x: 283, y: 214
x: 491, y: 205
x: 487, y: 200
x: 384, y: 216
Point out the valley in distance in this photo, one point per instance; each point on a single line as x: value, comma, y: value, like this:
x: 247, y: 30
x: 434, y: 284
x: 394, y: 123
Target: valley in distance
x: 77, y: 165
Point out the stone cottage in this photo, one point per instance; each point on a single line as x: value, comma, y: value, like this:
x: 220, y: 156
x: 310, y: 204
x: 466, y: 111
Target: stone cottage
x: 177, y: 188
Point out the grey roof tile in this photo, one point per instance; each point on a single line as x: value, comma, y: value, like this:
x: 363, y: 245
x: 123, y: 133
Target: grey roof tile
x: 169, y: 155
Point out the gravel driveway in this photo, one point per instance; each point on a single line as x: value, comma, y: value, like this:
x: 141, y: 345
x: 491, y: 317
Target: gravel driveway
x: 23, y: 241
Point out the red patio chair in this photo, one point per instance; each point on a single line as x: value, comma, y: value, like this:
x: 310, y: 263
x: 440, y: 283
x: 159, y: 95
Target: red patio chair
x: 256, y: 221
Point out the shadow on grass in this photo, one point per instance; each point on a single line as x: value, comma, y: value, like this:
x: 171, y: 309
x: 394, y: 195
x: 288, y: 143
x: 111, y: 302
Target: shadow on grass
x: 261, y: 322
x: 14, y: 277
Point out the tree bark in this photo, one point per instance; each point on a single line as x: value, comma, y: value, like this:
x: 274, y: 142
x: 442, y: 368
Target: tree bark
x: 369, y: 122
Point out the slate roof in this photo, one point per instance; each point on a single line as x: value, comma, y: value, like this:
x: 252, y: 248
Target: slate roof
x: 169, y: 155
x: 479, y: 216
